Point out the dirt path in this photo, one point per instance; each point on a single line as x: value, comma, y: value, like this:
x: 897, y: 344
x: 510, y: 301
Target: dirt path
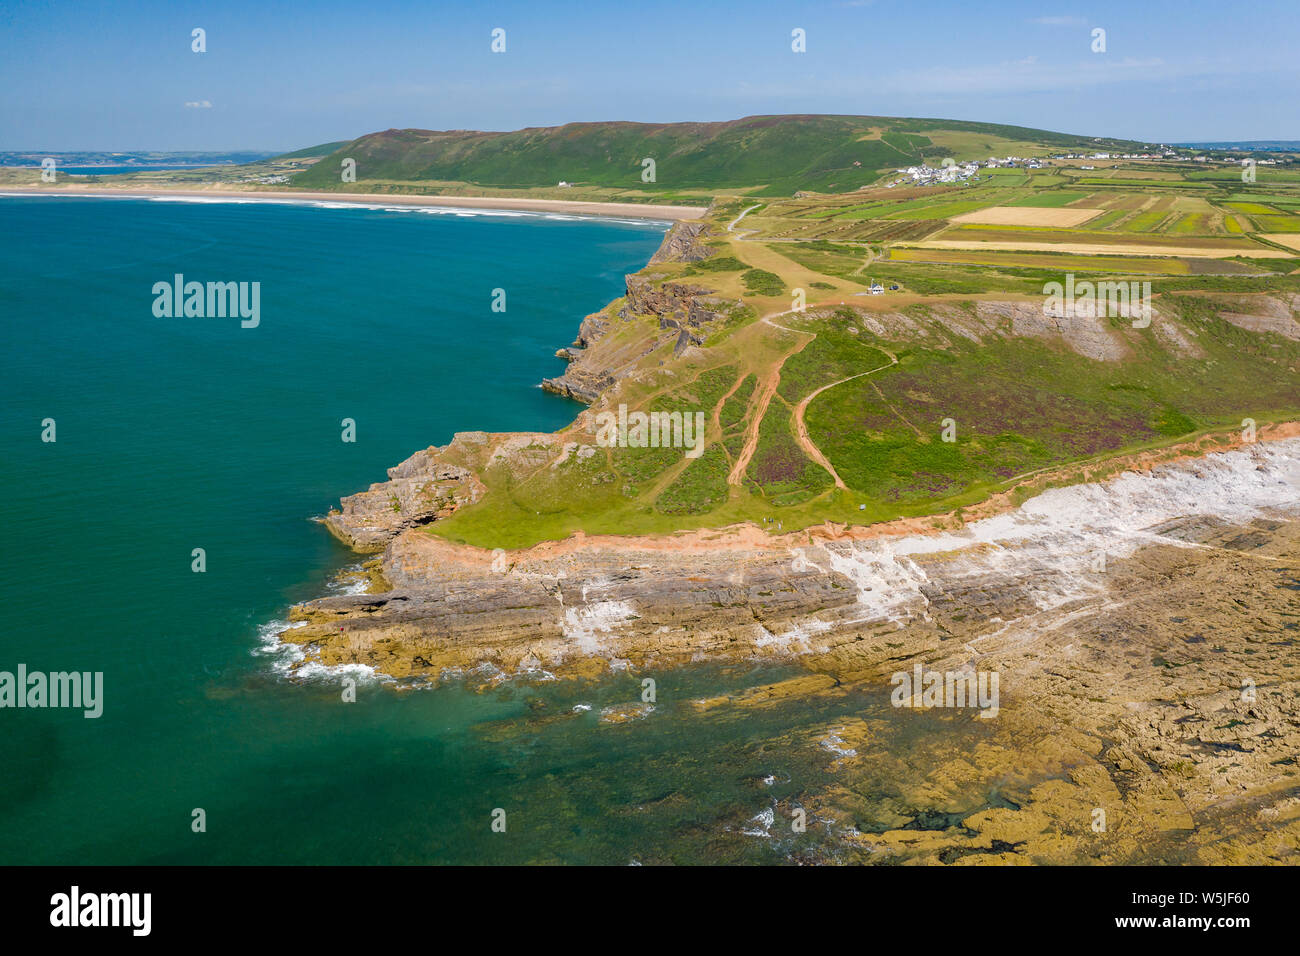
x: 801, y: 428
x: 763, y: 393
x: 733, y: 223
x: 716, y: 417
x: 871, y: 257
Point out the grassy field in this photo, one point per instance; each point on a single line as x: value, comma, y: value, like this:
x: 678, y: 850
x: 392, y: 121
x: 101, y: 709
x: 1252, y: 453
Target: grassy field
x: 866, y: 383
x: 1109, y: 265
x: 1018, y: 405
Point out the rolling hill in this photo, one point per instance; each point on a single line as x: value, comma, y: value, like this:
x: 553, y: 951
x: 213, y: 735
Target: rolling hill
x: 776, y: 154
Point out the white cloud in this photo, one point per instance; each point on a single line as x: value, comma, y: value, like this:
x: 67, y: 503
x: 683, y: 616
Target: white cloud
x: 198, y: 105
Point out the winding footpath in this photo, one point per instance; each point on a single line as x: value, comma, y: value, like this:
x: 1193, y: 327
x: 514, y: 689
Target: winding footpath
x: 767, y: 388
x: 801, y: 428
x: 733, y: 223
x: 763, y: 393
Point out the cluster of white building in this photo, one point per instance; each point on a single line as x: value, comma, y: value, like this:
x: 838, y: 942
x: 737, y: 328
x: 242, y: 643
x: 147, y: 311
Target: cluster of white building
x: 1165, y: 153
x: 1011, y: 162
x: 928, y: 175
x: 951, y: 172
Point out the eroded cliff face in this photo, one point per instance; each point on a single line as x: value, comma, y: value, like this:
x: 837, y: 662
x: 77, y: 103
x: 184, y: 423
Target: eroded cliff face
x: 418, y: 491
x: 1125, y: 618
x: 1143, y: 629
x: 587, y: 603
x: 684, y: 242
x: 611, y: 343
x: 600, y: 355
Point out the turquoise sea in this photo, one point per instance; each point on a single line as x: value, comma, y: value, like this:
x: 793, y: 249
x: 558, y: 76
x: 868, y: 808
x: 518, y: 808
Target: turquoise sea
x: 176, y: 434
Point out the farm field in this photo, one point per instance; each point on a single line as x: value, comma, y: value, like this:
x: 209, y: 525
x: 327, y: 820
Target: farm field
x: 1112, y: 265
x: 1025, y: 215
x: 1291, y: 240
x: 1122, y: 247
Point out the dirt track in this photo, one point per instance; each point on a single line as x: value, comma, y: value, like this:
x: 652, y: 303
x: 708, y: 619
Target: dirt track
x: 801, y: 428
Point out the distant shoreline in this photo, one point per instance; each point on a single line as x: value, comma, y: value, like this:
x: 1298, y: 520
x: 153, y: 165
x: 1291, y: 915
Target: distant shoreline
x: 622, y: 210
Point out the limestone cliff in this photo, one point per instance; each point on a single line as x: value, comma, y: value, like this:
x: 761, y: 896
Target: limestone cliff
x: 598, y: 357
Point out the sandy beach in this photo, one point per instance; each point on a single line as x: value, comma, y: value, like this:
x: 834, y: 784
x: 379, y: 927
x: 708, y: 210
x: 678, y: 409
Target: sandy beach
x: 623, y: 210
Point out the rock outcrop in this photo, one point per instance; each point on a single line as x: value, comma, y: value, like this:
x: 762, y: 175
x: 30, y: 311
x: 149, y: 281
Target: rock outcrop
x: 419, y: 490
x: 670, y: 600
x: 681, y: 308
x: 1265, y: 313
x: 684, y: 243
x: 598, y: 361
x: 1085, y: 334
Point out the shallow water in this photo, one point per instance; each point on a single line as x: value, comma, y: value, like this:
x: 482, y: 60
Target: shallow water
x: 176, y: 434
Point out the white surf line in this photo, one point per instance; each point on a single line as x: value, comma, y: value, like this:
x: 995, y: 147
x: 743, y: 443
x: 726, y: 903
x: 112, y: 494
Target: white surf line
x: 654, y: 213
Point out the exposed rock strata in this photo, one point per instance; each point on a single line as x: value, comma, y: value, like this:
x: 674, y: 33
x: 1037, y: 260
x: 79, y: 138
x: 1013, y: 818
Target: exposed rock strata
x: 656, y: 601
x: 599, y: 359
x: 1144, y: 631
x: 1278, y: 313
x: 684, y: 243
x: 419, y: 490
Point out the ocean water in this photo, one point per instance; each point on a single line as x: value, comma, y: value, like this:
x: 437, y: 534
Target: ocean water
x: 115, y: 170
x: 183, y: 433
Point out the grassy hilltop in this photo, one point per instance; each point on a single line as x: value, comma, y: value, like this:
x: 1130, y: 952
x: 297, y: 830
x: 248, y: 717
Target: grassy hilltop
x: 761, y: 155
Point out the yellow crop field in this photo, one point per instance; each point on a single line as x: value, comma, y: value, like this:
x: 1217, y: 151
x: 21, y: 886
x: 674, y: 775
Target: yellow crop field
x: 1060, y: 217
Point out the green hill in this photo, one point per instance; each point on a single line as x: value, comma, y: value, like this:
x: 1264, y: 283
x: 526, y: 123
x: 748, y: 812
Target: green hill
x: 324, y: 149
x: 777, y: 154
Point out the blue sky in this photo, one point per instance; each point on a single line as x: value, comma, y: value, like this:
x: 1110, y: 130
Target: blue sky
x: 119, y: 75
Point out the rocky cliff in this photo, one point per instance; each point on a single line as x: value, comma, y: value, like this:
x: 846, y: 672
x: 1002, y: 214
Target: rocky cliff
x: 599, y: 356
x: 1181, y: 727
x: 588, y: 602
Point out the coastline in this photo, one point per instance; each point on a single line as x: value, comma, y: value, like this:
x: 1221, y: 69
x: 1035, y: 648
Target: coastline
x: 656, y: 212
x: 1106, y: 699
x: 748, y: 536
x: 588, y: 603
